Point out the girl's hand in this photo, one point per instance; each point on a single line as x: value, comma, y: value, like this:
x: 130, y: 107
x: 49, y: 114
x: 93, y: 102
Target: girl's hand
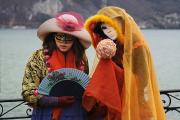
x: 65, y: 101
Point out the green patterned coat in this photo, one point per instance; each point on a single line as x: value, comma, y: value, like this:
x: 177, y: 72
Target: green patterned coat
x: 35, y: 71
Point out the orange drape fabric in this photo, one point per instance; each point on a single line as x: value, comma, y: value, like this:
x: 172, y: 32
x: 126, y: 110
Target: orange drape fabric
x: 104, y: 86
x: 141, y: 98
x: 57, y: 61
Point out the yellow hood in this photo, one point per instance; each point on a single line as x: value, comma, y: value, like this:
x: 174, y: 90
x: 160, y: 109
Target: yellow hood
x: 115, y: 17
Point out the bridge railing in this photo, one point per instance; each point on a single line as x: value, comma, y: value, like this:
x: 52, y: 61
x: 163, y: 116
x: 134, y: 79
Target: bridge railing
x: 8, y: 106
x: 170, y: 98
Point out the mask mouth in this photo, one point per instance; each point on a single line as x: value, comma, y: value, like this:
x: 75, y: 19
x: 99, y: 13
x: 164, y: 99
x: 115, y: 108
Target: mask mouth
x: 113, y: 38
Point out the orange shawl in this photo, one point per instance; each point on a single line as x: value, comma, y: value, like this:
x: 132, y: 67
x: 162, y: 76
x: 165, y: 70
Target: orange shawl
x: 57, y: 61
x: 105, y: 87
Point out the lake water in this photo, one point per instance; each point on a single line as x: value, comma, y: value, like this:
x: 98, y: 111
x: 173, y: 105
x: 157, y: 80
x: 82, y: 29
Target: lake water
x: 16, y: 46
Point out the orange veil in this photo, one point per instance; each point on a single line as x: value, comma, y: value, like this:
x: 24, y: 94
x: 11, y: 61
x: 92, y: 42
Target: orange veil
x: 141, y: 96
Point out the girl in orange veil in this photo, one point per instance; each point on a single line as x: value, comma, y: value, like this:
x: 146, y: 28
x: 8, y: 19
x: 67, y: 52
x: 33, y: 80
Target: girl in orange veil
x: 124, y: 86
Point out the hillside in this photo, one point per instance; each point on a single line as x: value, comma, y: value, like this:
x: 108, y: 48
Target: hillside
x: 163, y: 14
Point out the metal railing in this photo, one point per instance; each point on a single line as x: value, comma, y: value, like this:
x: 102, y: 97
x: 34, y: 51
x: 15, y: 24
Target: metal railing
x: 4, y: 114
x: 170, y: 98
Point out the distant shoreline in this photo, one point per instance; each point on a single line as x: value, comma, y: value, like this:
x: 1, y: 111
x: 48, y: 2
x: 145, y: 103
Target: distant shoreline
x: 26, y: 28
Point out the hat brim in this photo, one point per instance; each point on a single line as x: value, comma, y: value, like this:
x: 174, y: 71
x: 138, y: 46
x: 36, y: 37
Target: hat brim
x: 51, y: 25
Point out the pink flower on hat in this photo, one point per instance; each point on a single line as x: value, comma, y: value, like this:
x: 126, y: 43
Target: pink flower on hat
x: 70, y: 21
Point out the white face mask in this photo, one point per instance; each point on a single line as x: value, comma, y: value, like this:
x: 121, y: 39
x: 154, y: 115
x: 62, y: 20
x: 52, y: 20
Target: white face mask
x: 109, y: 31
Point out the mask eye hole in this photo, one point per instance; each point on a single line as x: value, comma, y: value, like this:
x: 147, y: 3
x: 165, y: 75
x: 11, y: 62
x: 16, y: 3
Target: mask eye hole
x: 103, y: 27
x: 60, y: 36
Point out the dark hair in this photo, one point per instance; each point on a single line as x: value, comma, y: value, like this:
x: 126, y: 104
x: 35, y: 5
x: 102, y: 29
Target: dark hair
x: 97, y: 29
x: 120, y: 48
x: 49, y: 43
x: 118, y: 58
x: 78, y: 49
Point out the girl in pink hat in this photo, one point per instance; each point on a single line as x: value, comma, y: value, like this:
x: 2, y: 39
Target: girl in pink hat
x: 64, y: 43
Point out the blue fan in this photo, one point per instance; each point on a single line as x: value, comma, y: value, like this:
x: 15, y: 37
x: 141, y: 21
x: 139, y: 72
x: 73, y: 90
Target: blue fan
x: 64, y: 82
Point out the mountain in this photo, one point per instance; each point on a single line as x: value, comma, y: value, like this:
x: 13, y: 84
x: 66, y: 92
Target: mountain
x: 161, y: 14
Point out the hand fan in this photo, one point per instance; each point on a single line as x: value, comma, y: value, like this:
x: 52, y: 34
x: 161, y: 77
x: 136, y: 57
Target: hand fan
x: 64, y: 82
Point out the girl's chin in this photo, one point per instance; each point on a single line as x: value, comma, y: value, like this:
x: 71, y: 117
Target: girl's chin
x: 63, y: 50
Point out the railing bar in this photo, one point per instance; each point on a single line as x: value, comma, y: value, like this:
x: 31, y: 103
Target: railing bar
x: 16, y: 117
x: 169, y: 91
x: 166, y: 110
x: 12, y: 100
x: 174, y: 97
x: 168, y: 98
x: 178, y: 111
x: 12, y: 108
x: 172, y: 107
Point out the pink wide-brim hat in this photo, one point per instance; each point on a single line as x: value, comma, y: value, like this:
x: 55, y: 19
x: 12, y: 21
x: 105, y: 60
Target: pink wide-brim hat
x: 52, y: 25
